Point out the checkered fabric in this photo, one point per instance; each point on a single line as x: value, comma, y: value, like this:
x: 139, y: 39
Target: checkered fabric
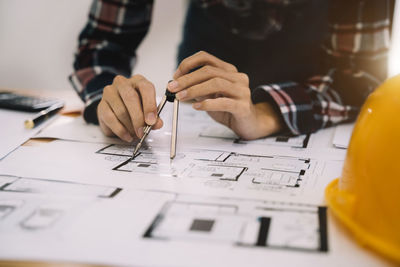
x: 354, y: 52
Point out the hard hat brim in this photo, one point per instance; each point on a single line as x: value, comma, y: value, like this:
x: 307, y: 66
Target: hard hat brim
x: 336, y: 201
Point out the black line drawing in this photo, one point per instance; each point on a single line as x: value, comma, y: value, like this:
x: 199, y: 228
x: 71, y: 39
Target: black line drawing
x: 250, y: 223
x: 8, y: 206
x: 270, y: 172
x: 41, y: 218
x: 300, y: 141
x: 52, y: 187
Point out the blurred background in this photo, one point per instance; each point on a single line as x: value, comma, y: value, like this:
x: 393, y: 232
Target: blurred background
x: 39, y: 38
x: 38, y: 41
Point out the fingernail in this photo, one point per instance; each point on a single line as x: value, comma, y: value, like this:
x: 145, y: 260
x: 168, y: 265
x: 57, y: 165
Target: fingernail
x: 196, y: 105
x: 140, y: 132
x: 172, y: 85
x: 151, y: 118
x: 128, y: 138
x: 181, y: 94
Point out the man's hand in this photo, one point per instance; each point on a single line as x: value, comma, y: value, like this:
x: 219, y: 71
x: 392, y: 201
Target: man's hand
x: 218, y: 88
x: 127, y: 105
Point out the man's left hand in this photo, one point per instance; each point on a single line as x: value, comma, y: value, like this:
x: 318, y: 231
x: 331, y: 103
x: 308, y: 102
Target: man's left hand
x: 218, y: 88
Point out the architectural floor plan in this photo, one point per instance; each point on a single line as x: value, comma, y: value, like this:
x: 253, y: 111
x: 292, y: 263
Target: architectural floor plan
x: 37, y: 204
x: 246, y: 223
x: 216, y: 168
x: 222, y: 199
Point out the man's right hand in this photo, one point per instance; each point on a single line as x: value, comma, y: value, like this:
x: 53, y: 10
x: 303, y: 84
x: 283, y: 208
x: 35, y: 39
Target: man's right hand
x: 127, y: 106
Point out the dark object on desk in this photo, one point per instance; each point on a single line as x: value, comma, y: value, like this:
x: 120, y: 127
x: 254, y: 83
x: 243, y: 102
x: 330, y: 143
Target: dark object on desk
x: 43, y: 115
x: 14, y: 101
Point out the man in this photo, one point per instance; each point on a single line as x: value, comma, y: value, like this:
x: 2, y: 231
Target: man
x: 259, y: 66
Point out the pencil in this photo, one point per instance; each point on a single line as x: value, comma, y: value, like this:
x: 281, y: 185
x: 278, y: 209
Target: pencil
x: 43, y: 115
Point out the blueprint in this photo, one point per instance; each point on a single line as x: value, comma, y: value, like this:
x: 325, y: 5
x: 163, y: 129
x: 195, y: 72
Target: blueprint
x: 48, y: 206
x: 221, y: 199
x: 198, y: 130
x: 29, y: 204
x: 194, y: 170
x: 100, y: 224
x: 246, y: 223
x: 274, y: 172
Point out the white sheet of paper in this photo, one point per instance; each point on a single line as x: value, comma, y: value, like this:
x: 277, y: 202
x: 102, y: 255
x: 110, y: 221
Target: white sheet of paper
x: 181, y: 229
x: 342, y: 135
x: 197, y: 130
x: 252, y: 168
x: 204, y: 208
x: 76, y: 129
x: 13, y: 132
x: 198, y: 171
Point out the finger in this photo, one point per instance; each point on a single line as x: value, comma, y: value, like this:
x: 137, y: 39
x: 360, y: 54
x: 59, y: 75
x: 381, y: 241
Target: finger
x: 133, y: 104
x: 117, y: 105
x: 200, y: 59
x: 203, y: 74
x: 111, y: 121
x: 215, y: 86
x: 159, y: 124
x: 217, y: 104
x: 148, y: 96
x: 106, y: 131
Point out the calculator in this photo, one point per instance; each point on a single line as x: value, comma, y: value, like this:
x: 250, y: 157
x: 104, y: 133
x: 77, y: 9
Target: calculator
x: 14, y: 101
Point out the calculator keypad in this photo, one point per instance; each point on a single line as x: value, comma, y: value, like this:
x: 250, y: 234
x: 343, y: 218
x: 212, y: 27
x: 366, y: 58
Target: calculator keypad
x: 25, y: 103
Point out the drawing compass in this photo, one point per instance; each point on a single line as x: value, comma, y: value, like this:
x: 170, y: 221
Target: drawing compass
x: 170, y: 97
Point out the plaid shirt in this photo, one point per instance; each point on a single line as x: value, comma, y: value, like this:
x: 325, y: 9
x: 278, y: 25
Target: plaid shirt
x: 355, y: 51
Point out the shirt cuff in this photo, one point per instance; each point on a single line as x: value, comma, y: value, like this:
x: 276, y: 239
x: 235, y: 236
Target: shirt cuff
x: 291, y: 101
x: 92, y: 93
x: 90, y: 111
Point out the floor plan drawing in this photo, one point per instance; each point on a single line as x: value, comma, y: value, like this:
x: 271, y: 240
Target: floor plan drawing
x: 50, y: 187
x: 220, y: 132
x: 39, y: 216
x: 22, y: 212
x: 38, y: 204
x: 221, y: 201
x: 42, y: 217
x: 277, y: 225
x: 194, y: 170
x: 278, y: 172
x: 300, y: 141
x: 8, y: 206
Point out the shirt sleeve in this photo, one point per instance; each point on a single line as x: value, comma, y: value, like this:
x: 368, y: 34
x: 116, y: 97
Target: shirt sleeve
x: 355, y: 63
x: 106, y: 47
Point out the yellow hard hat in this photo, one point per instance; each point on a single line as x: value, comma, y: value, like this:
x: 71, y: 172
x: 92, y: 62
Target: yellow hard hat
x: 366, y: 198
